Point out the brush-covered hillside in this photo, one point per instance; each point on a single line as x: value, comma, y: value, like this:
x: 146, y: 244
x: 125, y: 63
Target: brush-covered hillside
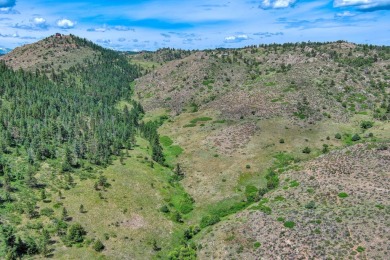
x: 265, y: 152
x: 252, y: 122
x: 54, y: 53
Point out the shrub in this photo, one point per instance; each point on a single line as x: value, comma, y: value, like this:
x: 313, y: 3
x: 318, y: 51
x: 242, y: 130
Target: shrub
x: 360, y: 249
x: 209, y: 221
x: 251, y: 193
x: 256, y: 244
x: 343, y: 195
x: 75, y: 233
x: 272, y: 180
x: 281, y: 141
x: 289, y: 224
x: 48, y: 212
x: 325, y: 148
x: 294, y: 183
x: 262, y: 192
x: 337, y: 136
x: 98, y: 246
x: 310, y: 205
x: 306, y: 150
x: 366, y: 124
x: 186, y: 251
x: 355, y: 137
x: 164, y: 209
x: 266, y: 210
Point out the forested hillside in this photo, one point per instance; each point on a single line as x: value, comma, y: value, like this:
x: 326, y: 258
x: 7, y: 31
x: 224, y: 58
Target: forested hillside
x: 70, y: 121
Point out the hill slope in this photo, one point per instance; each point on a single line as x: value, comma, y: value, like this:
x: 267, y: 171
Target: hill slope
x: 239, y: 113
x: 335, y: 206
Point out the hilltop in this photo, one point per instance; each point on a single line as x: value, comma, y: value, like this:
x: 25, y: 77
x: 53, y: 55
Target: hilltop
x: 54, y: 53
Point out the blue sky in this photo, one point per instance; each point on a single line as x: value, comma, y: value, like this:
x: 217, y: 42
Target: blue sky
x: 195, y: 24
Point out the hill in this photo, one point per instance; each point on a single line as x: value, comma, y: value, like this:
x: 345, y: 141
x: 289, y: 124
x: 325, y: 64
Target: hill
x: 237, y: 114
x: 54, y: 53
x: 263, y: 151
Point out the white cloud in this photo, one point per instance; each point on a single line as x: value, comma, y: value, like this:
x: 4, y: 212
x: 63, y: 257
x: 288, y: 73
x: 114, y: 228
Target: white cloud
x: 345, y: 14
x: 39, y: 21
x: 65, y: 23
x: 363, y: 4
x: 277, y: 4
x: 236, y: 38
x: 109, y: 28
x: 8, y: 10
x: 7, y: 3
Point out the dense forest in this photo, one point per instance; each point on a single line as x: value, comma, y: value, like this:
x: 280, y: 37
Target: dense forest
x: 70, y: 119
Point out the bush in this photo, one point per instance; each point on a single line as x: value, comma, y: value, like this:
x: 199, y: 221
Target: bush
x: 366, y: 124
x: 75, y: 233
x: 98, y: 246
x: 251, y: 193
x: 281, y: 141
x: 272, y: 180
x: 337, y: 136
x: 289, y: 224
x: 187, y: 251
x: 48, y: 212
x: 209, y: 221
x: 325, y: 148
x: 262, y: 192
x: 360, y: 249
x: 310, y: 205
x: 355, y: 137
x: 343, y: 195
x: 164, y: 209
x: 306, y: 150
x: 265, y: 209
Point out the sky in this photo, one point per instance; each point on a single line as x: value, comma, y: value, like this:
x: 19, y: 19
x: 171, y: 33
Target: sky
x: 195, y: 24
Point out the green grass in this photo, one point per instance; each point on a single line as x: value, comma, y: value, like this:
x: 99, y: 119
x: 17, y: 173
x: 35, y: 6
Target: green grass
x: 170, y: 151
x: 208, y: 82
x: 289, y: 224
x: 129, y: 210
x: 270, y: 84
x: 294, y: 184
x: 200, y: 119
x: 166, y: 141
